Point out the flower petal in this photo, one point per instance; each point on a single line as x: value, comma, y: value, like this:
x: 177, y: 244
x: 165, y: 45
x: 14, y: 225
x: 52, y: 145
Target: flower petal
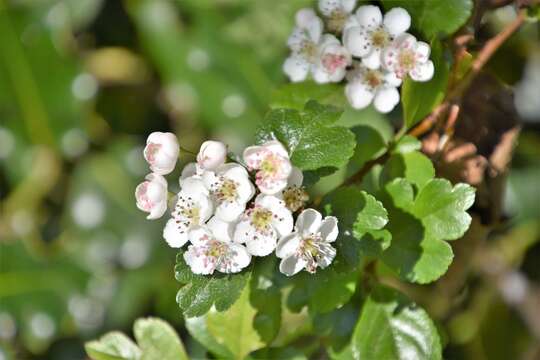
x: 308, y: 221
x: 238, y: 258
x: 230, y: 210
x: 158, y: 210
x: 296, y: 177
x: 200, y: 235
x: 282, y: 221
x: 296, y: 68
x: 326, y: 260
x: 257, y: 244
x: 198, y: 262
x: 422, y: 71
x: 386, y: 99
x: 422, y: 51
x: 369, y: 16
x: 397, y: 21
x: 194, y: 185
x: 271, y: 186
x: 291, y: 265
x: 348, y: 5
x: 329, y: 229
x: 176, y: 235
x: 245, y: 189
x: 320, y: 75
x: 288, y: 245
x: 391, y: 79
x: 306, y: 19
x: 327, y: 7
x: 358, y: 94
x: 188, y: 171
x: 221, y: 230
x: 373, y: 60
x: 277, y: 148
x: 357, y: 41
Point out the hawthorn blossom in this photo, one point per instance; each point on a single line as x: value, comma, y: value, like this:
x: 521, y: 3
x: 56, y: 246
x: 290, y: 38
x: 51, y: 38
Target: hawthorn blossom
x: 151, y: 196
x: 336, y: 13
x: 378, y: 86
x: 304, y: 44
x: 211, y: 155
x: 309, y: 246
x: 294, y: 195
x: 161, y: 152
x: 367, y: 33
x: 193, y: 208
x: 271, y: 160
x: 212, y: 249
x: 405, y: 55
x: 262, y: 225
x: 230, y: 189
x: 331, y: 65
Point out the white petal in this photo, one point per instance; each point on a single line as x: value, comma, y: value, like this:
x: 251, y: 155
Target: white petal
x: 271, y: 187
x: 327, y: 7
x: 175, y: 234
x: 329, y: 229
x: 358, y: 94
x: 308, y: 221
x: 239, y: 258
x: 262, y: 245
x: 291, y: 265
x: 369, y: 16
x: 277, y: 148
x: 230, y: 211
x: 212, y: 154
x: 422, y: 51
x: 157, y: 178
x: 288, y: 245
x: 397, y: 21
x: 222, y: 230
x: 282, y: 221
x: 386, y: 99
x: 194, y: 185
x: 206, y: 208
x: 320, y: 75
x: 325, y: 261
x: 315, y: 29
x: 422, y: 71
x: 189, y: 171
x: 304, y: 16
x: 357, y: 41
x: 373, y: 60
x: 158, y: 210
x: 253, y: 156
x: 296, y: 68
x: 200, y: 235
x: 348, y: 5
x: 391, y: 79
x: 245, y: 190
x: 198, y: 263
x: 296, y: 178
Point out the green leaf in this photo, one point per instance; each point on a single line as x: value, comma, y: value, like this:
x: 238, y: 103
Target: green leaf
x: 197, y: 327
x: 112, y: 346
x: 368, y: 226
x: 407, y: 144
x: 391, y: 327
x: 296, y: 95
x: 311, y: 141
x: 413, y: 166
x: 234, y: 327
x: 420, y: 98
x: 435, y: 17
x: 158, y: 340
x: 199, y: 292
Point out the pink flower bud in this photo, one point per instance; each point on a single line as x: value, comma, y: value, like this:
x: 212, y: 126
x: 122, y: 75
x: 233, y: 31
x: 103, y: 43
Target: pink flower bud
x: 151, y: 196
x: 161, y: 152
x: 212, y: 154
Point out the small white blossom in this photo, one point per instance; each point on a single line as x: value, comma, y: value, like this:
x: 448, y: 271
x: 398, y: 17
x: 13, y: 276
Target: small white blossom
x: 367, y: 33
x: 304, y: 44
x: 230, y: 189
x: 212, y: 249
x: 212, y: 154
x: 272, y: 163
x: 367, y: 85
x: 262, y: 225
x: 336, y: 13
x: 332, y: 62
x: 161, y: 152
x: 405, y: 56
x: 294, y: 195
x: 309, y: 246
x: 193, y: 208
x: 151, y: 196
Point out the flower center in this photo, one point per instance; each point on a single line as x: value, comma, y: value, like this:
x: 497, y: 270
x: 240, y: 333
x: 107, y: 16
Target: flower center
x: 332, y: 62
x: 380, y: 38
x: 373, y: 78
x: 295, y: 197
x: 227, y: 191
x: 407, y: 59
x: 192, y: 213
x: 261, y: 218
x: 309, y: 51
x: 313, y: 249
x: 216, y: 249
x: 151, y: 150
x: 336, y: 21
x: 270, y: 165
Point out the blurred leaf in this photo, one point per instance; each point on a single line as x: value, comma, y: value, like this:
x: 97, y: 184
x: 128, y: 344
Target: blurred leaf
x: 312, y: 143
x: 281, y: 353
x: 435, y: 17
x: 234, y: 327
x: 113, y: 346
x: 407, y: 144
x: 198, y: 328
x: 296, y: 95
x: 158, y: 340
x: 391, y: 327
x: 420, y: 98
x: 198, y: 292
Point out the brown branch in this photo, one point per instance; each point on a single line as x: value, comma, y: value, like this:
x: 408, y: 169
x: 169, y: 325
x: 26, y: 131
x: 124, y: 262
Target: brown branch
x: 357, y: 177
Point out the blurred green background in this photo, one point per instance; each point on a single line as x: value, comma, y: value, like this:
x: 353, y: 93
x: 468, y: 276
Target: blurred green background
x: 83, y: 82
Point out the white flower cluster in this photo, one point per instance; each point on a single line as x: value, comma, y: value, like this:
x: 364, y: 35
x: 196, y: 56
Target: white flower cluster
x: 229, y: 212
x: 374, y: 55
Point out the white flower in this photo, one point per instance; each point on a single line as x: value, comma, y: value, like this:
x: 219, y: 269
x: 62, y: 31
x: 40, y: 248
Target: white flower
x: 405, y: 56
x: 304, y: 44
x: 336, y: 13
x: 272, y: 163
x: 294, y: 195
x: 193, y: 208
x: 367, y: 34
x: 230, y: 189
x: 262, y: 225
x: 151, y: 196
x: 211, y: 155
x: 366, y: 85
x: 161, y: 152
x: 309, y: 245
x: 212, y: 249
x: 332, y: 62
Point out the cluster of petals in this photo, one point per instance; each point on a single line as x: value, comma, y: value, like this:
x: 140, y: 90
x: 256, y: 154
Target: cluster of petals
x: 374, y: 53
